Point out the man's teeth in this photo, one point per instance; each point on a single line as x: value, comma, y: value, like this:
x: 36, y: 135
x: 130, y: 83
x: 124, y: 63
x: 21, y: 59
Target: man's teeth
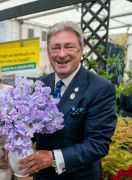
x: 63, y: 62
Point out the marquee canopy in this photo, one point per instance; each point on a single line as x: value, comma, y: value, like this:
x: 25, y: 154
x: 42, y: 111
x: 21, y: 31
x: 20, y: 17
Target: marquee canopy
x: 120, y: 13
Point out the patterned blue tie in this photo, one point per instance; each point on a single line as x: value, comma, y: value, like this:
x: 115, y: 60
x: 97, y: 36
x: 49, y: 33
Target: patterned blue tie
x: 57, y: 90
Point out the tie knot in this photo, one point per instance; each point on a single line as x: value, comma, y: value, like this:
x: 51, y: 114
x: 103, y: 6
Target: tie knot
x: 59, y: 84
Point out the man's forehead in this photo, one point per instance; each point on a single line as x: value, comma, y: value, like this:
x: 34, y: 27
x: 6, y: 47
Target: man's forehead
x: 63, y: 37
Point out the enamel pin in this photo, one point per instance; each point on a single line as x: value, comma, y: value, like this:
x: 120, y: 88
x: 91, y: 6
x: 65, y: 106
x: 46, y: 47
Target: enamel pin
x: 76, y: 89
x: 72, y: 96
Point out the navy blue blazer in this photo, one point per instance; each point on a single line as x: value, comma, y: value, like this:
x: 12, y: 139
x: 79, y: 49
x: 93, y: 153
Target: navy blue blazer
x: 89, y: 108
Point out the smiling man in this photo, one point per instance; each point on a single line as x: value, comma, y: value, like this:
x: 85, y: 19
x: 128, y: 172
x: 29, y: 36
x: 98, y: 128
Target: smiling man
x: 64, y: 52
x: 88, y: 103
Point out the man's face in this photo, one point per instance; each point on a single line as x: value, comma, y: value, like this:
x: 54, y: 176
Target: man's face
x: 64, y: 53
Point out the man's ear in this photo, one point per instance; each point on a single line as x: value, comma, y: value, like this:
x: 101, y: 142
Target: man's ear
x: 81, y: 53
x: 48, y: 53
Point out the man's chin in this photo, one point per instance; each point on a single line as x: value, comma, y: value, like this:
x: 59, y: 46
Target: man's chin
x: 62, y: 75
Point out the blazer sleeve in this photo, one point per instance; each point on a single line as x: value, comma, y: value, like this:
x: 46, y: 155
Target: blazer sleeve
x: 99, y: 125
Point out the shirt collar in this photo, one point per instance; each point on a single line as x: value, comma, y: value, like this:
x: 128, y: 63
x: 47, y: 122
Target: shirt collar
x: 68, y: 79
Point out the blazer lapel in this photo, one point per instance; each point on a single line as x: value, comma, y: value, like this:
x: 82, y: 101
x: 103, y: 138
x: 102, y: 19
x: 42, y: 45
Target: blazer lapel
x: 74, y: 91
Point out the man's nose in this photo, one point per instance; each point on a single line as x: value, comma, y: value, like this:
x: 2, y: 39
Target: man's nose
x: 62, y: 51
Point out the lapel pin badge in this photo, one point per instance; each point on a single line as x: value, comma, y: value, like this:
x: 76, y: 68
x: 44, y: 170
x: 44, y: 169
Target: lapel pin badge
x: 76, y: 89
x: 72, y: 96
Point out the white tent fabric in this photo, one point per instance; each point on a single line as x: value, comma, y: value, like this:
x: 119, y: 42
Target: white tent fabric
x: 120, y: 14
x: 12, y: 3
x: 120, y: 25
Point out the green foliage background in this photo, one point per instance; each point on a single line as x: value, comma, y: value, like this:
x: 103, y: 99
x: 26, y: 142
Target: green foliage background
x: 120, y: 153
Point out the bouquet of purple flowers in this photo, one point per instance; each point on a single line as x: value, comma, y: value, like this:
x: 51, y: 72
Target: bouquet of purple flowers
x: 26, y: 109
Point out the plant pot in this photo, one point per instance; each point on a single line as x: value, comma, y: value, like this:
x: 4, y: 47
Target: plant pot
x: 5, y: 174
x: 14, y: 159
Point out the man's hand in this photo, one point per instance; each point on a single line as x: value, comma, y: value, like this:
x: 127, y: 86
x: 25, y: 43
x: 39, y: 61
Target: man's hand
x: 39, y: 160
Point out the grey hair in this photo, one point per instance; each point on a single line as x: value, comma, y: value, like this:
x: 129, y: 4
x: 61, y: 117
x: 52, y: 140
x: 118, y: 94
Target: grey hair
x: 66, y: 26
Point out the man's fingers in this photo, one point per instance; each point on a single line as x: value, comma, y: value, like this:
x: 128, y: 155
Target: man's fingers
x: 31, y: 170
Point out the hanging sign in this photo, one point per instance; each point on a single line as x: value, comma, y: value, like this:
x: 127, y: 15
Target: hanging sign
x: 20, y: 55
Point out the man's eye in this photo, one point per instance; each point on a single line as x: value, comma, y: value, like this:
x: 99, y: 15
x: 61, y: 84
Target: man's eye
x: 69, y: 47
x: 55, y: 48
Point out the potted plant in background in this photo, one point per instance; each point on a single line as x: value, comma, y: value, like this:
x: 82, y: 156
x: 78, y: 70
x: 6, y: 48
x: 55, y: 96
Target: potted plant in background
x: 26, y: 109
x: 119, y: 158
x: 117, y: 164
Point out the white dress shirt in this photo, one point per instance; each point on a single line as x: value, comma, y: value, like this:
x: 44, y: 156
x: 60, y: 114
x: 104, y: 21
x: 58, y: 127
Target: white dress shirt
x: 60, y: 163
